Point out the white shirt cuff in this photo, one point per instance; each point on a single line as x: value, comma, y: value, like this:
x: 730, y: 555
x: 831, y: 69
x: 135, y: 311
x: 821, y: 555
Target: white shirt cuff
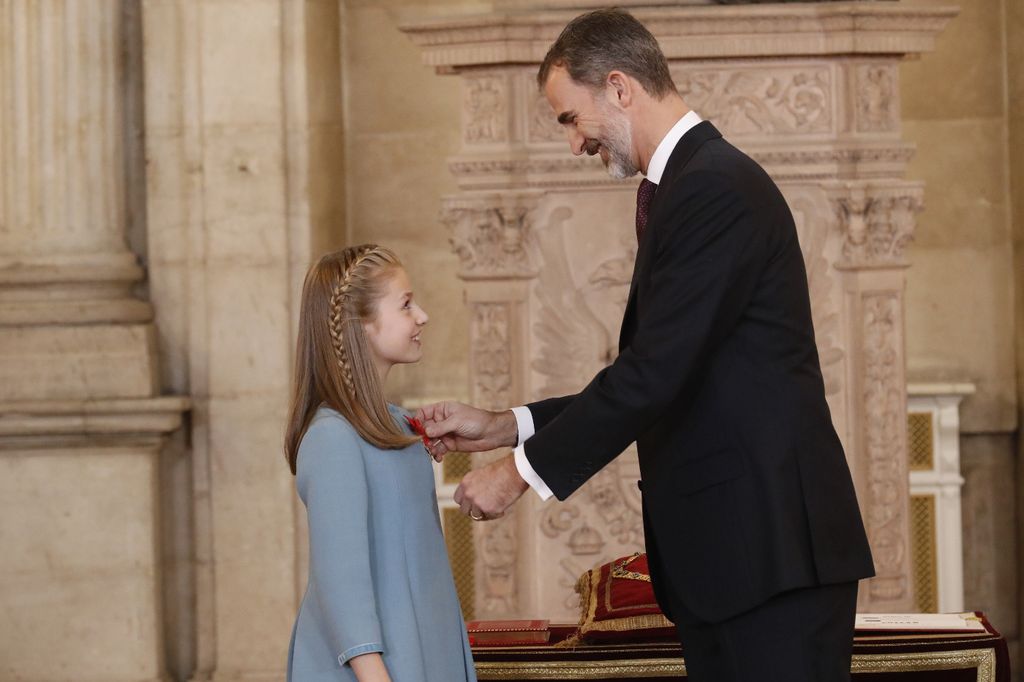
x: 524, y: 422
x: 529, y: 475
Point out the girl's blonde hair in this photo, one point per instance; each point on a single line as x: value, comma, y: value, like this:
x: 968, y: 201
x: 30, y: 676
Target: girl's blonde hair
x: 333, y: 359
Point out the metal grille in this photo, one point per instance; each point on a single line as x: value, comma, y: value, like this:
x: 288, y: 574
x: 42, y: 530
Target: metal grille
x: 923, y: 541
x: 919, y: 441
x: 458, y: 534
x: 456, y: 465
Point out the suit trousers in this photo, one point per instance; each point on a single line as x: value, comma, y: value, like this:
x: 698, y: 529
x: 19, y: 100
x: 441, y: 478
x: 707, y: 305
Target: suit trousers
x: 804, y: 635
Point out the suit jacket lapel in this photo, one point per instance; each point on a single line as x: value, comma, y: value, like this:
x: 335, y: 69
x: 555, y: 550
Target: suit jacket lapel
x: 681, y: 155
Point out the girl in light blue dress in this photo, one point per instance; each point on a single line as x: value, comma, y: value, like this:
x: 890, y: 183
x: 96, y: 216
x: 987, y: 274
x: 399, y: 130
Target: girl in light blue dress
x: 380, y: 603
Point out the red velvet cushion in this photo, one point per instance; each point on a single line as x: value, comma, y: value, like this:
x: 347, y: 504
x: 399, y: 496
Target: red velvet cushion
x: 618, y: 603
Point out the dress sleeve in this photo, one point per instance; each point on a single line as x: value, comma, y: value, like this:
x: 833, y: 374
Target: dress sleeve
x: 331, y: 480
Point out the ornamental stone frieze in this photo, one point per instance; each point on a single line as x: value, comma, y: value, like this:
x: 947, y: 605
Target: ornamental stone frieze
x: 810, y: 91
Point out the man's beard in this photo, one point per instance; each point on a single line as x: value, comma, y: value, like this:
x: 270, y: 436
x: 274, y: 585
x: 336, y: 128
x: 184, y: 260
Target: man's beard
x: 617, y: 142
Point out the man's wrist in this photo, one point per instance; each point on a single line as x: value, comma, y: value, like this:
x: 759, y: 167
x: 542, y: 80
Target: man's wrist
x: 521, y: 485
x: 506, y: 429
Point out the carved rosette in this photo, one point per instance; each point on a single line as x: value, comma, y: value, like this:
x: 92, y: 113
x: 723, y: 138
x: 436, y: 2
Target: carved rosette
x: 885, y: 438
x: 877, y: 221
x: 491, y: 234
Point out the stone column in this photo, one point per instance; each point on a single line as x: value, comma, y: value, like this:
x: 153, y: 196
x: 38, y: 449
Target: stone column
x: 81, y: 419
x: 809, y: 90
x: 243, y: 141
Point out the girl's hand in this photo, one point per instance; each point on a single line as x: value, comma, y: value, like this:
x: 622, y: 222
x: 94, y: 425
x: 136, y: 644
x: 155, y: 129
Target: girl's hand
x: 370, y: 668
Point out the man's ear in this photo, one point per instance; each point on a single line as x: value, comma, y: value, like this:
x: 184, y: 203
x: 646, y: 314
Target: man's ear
x: 620, y: 88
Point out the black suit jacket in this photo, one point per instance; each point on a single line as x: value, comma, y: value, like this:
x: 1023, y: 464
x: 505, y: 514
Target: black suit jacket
x: 746, y: 490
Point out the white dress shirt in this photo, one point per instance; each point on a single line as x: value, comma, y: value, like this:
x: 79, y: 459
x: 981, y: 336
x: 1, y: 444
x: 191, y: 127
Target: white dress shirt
x: 524, y: 419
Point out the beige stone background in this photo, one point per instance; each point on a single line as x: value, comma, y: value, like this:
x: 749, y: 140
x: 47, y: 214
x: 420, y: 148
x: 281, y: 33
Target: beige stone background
x: 260, y: 132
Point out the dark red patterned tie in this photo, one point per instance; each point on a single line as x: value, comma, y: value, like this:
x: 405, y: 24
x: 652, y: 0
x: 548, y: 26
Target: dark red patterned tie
x: 644, y: 194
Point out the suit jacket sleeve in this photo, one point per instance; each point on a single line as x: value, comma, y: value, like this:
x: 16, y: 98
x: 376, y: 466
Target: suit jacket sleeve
x: 332, y: 483
x: 706, y: 262
x: 543, y: 411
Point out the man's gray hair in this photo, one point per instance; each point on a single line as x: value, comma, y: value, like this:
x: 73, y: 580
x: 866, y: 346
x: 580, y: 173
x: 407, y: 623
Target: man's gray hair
x: 596, y: 43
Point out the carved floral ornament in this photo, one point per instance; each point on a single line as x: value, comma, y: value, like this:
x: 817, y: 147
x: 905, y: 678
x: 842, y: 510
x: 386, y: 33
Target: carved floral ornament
x: 492, y: 234
x: 763, y: 100
x: 877, y: 221
x: 885, y: 420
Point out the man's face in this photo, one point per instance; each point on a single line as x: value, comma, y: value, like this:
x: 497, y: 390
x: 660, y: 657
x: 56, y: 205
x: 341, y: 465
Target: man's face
x: 592, y: 123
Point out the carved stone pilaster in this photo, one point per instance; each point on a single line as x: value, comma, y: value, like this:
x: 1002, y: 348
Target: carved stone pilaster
x: 877, y: 222
x: 884, y: 399
x: 491, y: 234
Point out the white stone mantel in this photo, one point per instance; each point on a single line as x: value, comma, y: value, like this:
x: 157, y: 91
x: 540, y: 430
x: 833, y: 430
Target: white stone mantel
x: 811, y: 91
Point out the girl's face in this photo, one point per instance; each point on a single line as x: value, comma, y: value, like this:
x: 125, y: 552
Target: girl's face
x: 394, y: 334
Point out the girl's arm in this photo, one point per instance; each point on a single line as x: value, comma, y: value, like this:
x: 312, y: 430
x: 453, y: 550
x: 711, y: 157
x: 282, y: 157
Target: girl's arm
x: 332, y: 483
x: 370, y: 668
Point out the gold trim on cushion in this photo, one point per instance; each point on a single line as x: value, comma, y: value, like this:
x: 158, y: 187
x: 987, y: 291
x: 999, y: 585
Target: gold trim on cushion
x: 608, y: 600
x: 619, y: 570
x: 589, y: 585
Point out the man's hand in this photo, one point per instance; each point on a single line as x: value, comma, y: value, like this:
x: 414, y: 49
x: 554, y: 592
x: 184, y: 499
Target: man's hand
x: 457, y: 427
x: 487, y: 492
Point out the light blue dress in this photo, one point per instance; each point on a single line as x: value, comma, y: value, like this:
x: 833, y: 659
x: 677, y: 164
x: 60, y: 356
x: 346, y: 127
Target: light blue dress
x: 379, y: 578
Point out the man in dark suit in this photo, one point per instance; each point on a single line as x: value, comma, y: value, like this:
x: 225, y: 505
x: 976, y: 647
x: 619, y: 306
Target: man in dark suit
x: 754, y: 537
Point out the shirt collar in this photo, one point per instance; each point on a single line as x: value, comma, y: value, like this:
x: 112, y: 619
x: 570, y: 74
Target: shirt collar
x: 656, y: 168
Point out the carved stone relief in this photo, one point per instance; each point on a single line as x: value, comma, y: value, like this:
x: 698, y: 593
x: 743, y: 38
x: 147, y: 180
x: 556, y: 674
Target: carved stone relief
x: 578, y: 309
x: 491, y: 234
x: 498, y: 548
x: 486, y: 105
x: 492, y: 359
x: 885, y: 421
x: 812, y: 221
x: 878, y: 222
x: 877, y: 104
x: 542, y: 125
x: 760, y: 100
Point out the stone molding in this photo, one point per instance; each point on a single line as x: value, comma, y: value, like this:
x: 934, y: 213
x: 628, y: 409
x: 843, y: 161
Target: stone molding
x: 72, y: 422
x: 695, y: 32
x: 555, y: 169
